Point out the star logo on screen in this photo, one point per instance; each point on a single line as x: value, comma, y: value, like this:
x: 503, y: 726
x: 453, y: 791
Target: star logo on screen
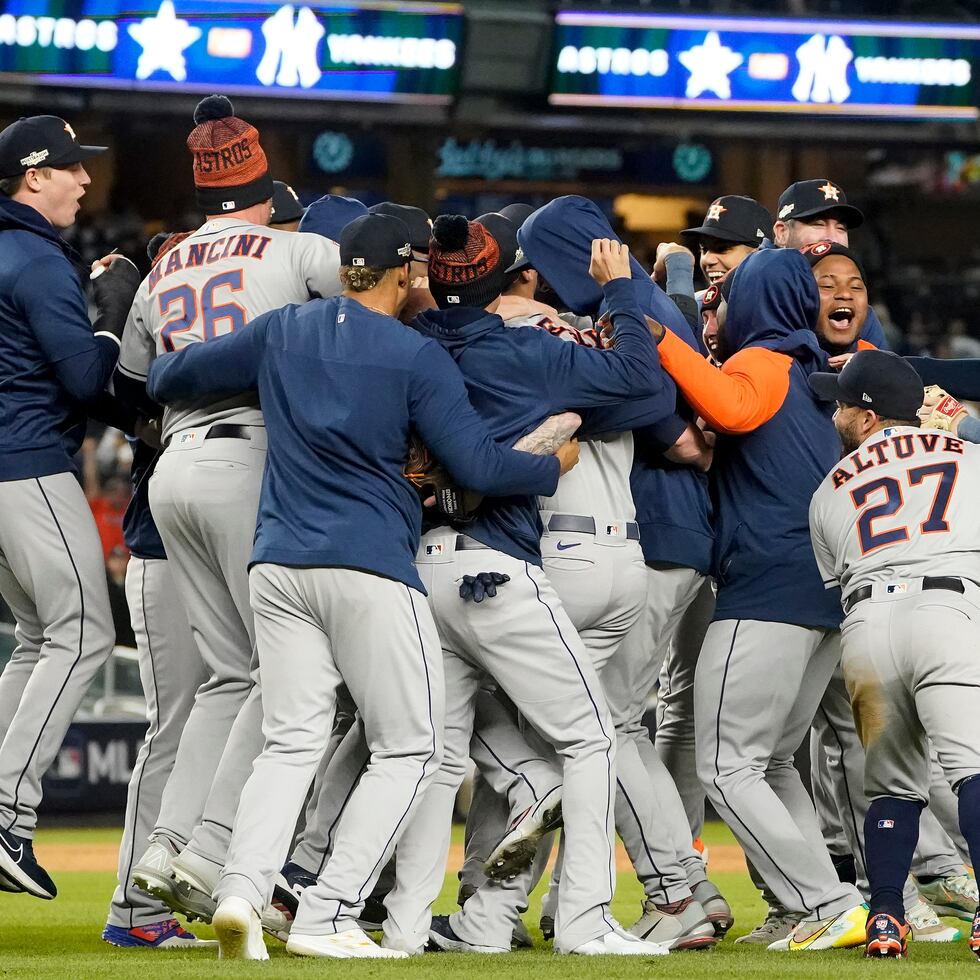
x: 163, y: 38
x: 830, y: 193
x: 716, y: 211
x: 710, y: 63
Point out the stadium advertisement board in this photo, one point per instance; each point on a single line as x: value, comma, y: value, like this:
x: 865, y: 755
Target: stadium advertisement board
x: 906, y: 70
x: 372, y: 50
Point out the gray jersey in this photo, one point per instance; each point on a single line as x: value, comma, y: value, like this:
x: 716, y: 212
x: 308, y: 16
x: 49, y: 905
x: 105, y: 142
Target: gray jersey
x: 600, y: 483
x: 900, y: 506
x: 215, y: 281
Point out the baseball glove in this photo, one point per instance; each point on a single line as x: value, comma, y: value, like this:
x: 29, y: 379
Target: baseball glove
x: 436, y: 487
x: 940, y: 410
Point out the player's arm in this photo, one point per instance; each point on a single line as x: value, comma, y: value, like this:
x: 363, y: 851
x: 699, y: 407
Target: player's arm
x: 216, y: 369
x: 745, y: 393
x: 633, y: 413
x: 826, y: 561
x: 455, y: 435
x: 321, y: 266
x: 959, y: 376
x: 135, y: 357
x: 51, y: 301
x: 586, y: 378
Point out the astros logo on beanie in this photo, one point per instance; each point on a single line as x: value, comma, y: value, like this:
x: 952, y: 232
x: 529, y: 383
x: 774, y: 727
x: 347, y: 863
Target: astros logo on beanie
x: 230, y: 168
x: 465, y: 267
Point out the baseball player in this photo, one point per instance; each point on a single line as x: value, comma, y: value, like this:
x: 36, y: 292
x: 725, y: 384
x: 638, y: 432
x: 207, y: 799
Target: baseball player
x: 171, y: 670
x: 342, y: 603
x: 516, y: 377
x: 205, y: 489
x: 891, y: 526
x: 52, y: 574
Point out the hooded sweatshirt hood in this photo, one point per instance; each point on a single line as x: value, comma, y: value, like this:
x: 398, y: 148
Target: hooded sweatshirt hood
x: 456, y: 328
x: 557, y: 241
x: 774, y: 304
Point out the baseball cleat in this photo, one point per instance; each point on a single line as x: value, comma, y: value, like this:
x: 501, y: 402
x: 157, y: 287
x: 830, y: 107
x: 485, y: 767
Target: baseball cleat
x: 443, y: 937
x: 19, y: 866
x: 776, y: 927
x: 954, y: 895
x: 373, y: 915
x: 887, y: 937
x: 163, y: 934
x: 716, y: 908
x: 239, y: 931
x: 619, y: 943
x: 516, y: 851
x: 926, y: 927
x: 153, y: 872
x: 353, y: 944
x: 975, y: 933
x: 845, y: 930
x: 288, y: 886
x: 547, y: 926
x: 680, y: 925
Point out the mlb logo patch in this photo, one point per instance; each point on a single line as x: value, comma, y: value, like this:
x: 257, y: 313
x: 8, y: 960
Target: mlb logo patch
x: 893, y: 588
x: 886, y: 824
x: 612, y: 529
x: 434, y: 549
x: 188, y: 437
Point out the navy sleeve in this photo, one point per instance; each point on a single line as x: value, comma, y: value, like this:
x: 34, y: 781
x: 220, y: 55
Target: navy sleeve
x: 449, y: 426
x: 586, y: 378
x: 680, y: 287
x: 631, y: 414
x: 216, y: 368
x: 959, y: 376
x: 51, y: 300
x: 661, y: 435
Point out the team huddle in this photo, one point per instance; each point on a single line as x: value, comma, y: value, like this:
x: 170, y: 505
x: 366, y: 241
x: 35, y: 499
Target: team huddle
x: 410, y: 494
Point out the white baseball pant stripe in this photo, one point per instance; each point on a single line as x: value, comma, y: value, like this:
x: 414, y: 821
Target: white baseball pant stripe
x: 52, y: 576
x: 171, y: 671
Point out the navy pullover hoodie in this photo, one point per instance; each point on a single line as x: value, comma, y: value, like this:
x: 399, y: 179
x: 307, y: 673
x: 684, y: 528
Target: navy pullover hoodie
x: 50, y: 358
x: 341, y: 386
x: 517, y: 376
x: 776, y: 442
x: 672, y: 504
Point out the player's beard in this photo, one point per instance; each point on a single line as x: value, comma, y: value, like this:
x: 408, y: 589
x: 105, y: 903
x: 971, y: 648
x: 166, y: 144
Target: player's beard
x: 849, y: 436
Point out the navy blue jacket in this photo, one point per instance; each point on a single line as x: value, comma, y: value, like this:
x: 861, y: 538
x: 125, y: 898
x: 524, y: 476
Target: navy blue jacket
x: 764, y: 479
x: 672, y: 504
x: 341, y: 386
x: 50, y: 359
x: 139, y: 529
x: 518, y: 376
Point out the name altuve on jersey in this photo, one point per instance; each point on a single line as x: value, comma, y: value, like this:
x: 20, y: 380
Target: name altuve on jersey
x: 888, y: 450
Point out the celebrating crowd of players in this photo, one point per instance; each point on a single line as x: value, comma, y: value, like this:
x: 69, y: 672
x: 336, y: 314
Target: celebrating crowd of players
x: 328, y: 633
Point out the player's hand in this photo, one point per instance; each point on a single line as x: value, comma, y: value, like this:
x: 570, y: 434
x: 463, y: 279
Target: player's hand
x: 659, y: 274
x: 148, y: 431
x: 838, y: 361
x: 940, y: 410
x: 481, y: 586
x: 610, y: 260
x: 567, y: 455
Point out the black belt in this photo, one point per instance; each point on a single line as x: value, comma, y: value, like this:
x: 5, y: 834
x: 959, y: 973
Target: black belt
x: 227, y: 430
x: 463, y: 543
x: 569, y: 522
x: 946, y: 583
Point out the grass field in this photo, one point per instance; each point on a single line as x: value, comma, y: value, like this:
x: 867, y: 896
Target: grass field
x: 61, y: 939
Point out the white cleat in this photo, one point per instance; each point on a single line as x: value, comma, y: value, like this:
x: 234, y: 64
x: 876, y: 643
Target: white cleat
x: 926, y: 926
x: 620, y: 943
x: 353, y: 944
x: 239, y: 931
x: 153, y: 872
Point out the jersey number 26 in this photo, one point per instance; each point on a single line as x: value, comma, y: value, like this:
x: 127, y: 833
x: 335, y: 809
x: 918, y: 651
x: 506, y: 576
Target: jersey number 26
x: 182, y: 305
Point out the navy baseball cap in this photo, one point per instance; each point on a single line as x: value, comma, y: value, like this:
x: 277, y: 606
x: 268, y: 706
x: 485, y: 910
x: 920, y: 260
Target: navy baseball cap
x: 813, y: 198
x: 285, y: 204
x: 330, y: 214
x: 41, y: 141
x: 375, y: 241
x: 878, y: 380
x: 816, y: 251
x: 518, y: 213
x: 419, y: 225
x: 734, y: 218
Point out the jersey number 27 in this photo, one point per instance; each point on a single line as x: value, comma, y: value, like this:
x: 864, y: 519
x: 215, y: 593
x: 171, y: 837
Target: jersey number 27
x: 890, y: 488
x: 183, y: 306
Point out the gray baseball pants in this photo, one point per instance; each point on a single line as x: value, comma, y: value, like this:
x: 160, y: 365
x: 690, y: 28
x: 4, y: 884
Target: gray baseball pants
x: 52, y: 576
x: 171, y: 670
x: 526, y: 642
x: 204, y: 495
x: 757, y: 688
x: 318, y: 628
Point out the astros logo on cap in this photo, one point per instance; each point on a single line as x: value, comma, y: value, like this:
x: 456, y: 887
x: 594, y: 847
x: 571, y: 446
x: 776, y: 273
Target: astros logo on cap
x: 716, y: 211
x: 830, y: 192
